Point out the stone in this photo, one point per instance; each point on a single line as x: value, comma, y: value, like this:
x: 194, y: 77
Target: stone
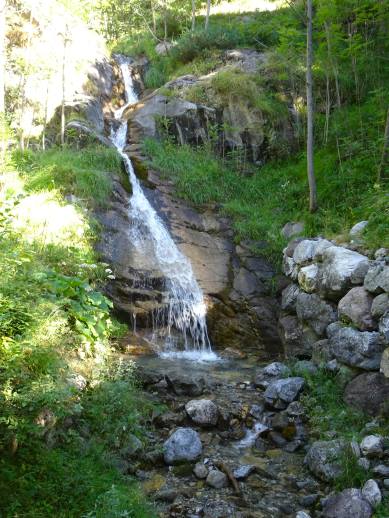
x: 295, y: 409
x: 362, y: 349
x: 133, y: 445
x: 368, y: 392
x: 202, y: 411
x: 217, y: 479
x: 380, y: 305
x: 381, y: 254
x: 384, y: 365
x: 321, y: 352
x: 386, y: 483
x: 371, y: 492
x: 291, y: 333
x: 289, y: 297
x: 324, y: 459
x: 166, y: 495
x: 364, y: 463
x: 256, y: 411
x: 317, y: 313
x: 377, y: 278
x: 292, y: 228
x: 185, y: 384
x: 341, y: 268
x: 302, y: 514
x: 305, y: 366
x: 305, y: 251
x: 200, y: 470
x: 242, y: 472
x: 309, y: 500
x: 357, y: 230
x: 349, y: 502
x: 276, y: 369
x: 307, y: 278
x: 77, y: 381
x: 283, y: 391
x: 381, y: 470
x: 383, y: 326
x: 163, y: 47
x: 289, y: 267
x: 372, y: 446
x: 183, y: 445
x: 289, y: 250
x: 355, y: 307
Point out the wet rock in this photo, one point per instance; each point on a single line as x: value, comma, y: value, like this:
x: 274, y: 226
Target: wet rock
x: 217, y: 479
x: 186, y: 385
x: 380, y: 305
x: 308, y: 278
x: 372, y: 446
x: 377, y: 278
x: 371, y: 492
x: 183, y: 445
x: 361, y: 349
x: 278, y: 439
x: 256, y: 411
x: 200, y: 470
x: 310, y: 308
x: 289, y: 297
x: 323, y: 459
x: 292, y: 228
x: 341, y: 268
x: 202, y: 411
x: 355, y: 307
x: 281, y: 392
x: 368, y: 392
x: 280, y: 421
x: 349, y: 502
x: 242, y: 472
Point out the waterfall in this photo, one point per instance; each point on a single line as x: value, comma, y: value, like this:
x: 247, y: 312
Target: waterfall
x: 185, y: 308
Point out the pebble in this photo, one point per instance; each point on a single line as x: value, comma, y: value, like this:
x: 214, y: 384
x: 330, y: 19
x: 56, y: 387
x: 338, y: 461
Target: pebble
x: 200, y: 470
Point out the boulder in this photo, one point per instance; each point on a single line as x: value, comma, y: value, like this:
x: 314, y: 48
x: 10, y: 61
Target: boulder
x: 310, y: 308
x: 321, y: 352
x: 382, y: 470
x: 324, y: 459
x: 290, y: 332
x: 377, y: 278
x: 217, y: 479
x: 308, y: 277
x: 372, y: 446
x: 163, y: 47
x: 289, y: 297
x: 203, y: 412
x: 382, y: 254
x: 291, y: 229
x: 372, y: 493
x: 361, y: 349
x: 341, y: 268
x: 357, y: 230
x: 355, y: 307
x: 269, y: 373
x: 289, y: 250
x: 368, y: 392
x: 380, y: 305
x: 305, y: 251
x: 185, y: 384
x: 281, y: 392
x: 383, y: 326
x: 183, y: 445
x: 349, y: 502
x: 289, y: 267
x: 302, y: 514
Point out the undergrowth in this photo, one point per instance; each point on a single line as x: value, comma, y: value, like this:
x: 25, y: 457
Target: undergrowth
x: 60, y: 445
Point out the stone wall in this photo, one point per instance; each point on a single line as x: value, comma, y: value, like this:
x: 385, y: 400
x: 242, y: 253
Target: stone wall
x: 336, y: 311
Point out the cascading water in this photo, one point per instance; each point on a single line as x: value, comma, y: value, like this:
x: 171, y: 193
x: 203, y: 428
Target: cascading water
x: 185, y: 308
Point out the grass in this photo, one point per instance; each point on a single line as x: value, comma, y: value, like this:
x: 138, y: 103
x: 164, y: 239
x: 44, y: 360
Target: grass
x: 58, y: 456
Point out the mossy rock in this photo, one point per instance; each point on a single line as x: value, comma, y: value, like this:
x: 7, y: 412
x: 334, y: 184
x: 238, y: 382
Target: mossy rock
x: 140, y: 168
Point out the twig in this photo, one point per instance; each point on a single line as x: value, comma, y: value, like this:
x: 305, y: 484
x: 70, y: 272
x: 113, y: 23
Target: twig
x: 220, y: 464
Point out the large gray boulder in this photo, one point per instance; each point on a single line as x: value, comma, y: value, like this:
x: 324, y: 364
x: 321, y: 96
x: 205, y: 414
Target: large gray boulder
x: 349, y: 503
x: 183, y: 445
x: 340, y: 270
x: 202, y: 411
x: 281, y: 392
x: 368, y: 392
x: 305, y: 251
x: 324, y: 459
x: 310, y: 308
x: 355, y: 307
x: 308, y: 278
x: 372, y: 446
x: 377, y: 278
x: 289, y: 297
x: 289, y: 267
x: 361, y: 349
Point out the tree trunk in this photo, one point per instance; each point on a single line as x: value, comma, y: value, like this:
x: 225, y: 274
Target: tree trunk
x: 333, y: 65
x: 385, y: 151
x: 328, y: 108
x: 2, y: 55
x: 65, y: 42
x: 193, y: 14
x: 207, y: 15
x: 310, y: 168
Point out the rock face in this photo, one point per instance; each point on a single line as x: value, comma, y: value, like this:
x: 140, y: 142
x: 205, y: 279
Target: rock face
x: 349, y: 502
x: 368, y: 392
x: 183, y: 445
x: 202, y: 411
x: 355, y: 307
x: 323, y: 459
x: 357, y: 349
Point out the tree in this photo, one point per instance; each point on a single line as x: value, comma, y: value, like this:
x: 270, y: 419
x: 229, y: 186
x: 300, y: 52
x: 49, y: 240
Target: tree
x: 385, y: 148
x: 66, y: 40
x: 207, y: 15
x: 309, y: 83
x: 193, y: 14
x: 2, y: 55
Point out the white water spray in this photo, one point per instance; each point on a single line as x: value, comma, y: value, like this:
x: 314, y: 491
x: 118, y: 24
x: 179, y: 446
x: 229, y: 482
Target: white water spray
x: 185, y: 309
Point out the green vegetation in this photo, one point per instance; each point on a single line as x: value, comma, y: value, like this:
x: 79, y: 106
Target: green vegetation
x: 58, y: 456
